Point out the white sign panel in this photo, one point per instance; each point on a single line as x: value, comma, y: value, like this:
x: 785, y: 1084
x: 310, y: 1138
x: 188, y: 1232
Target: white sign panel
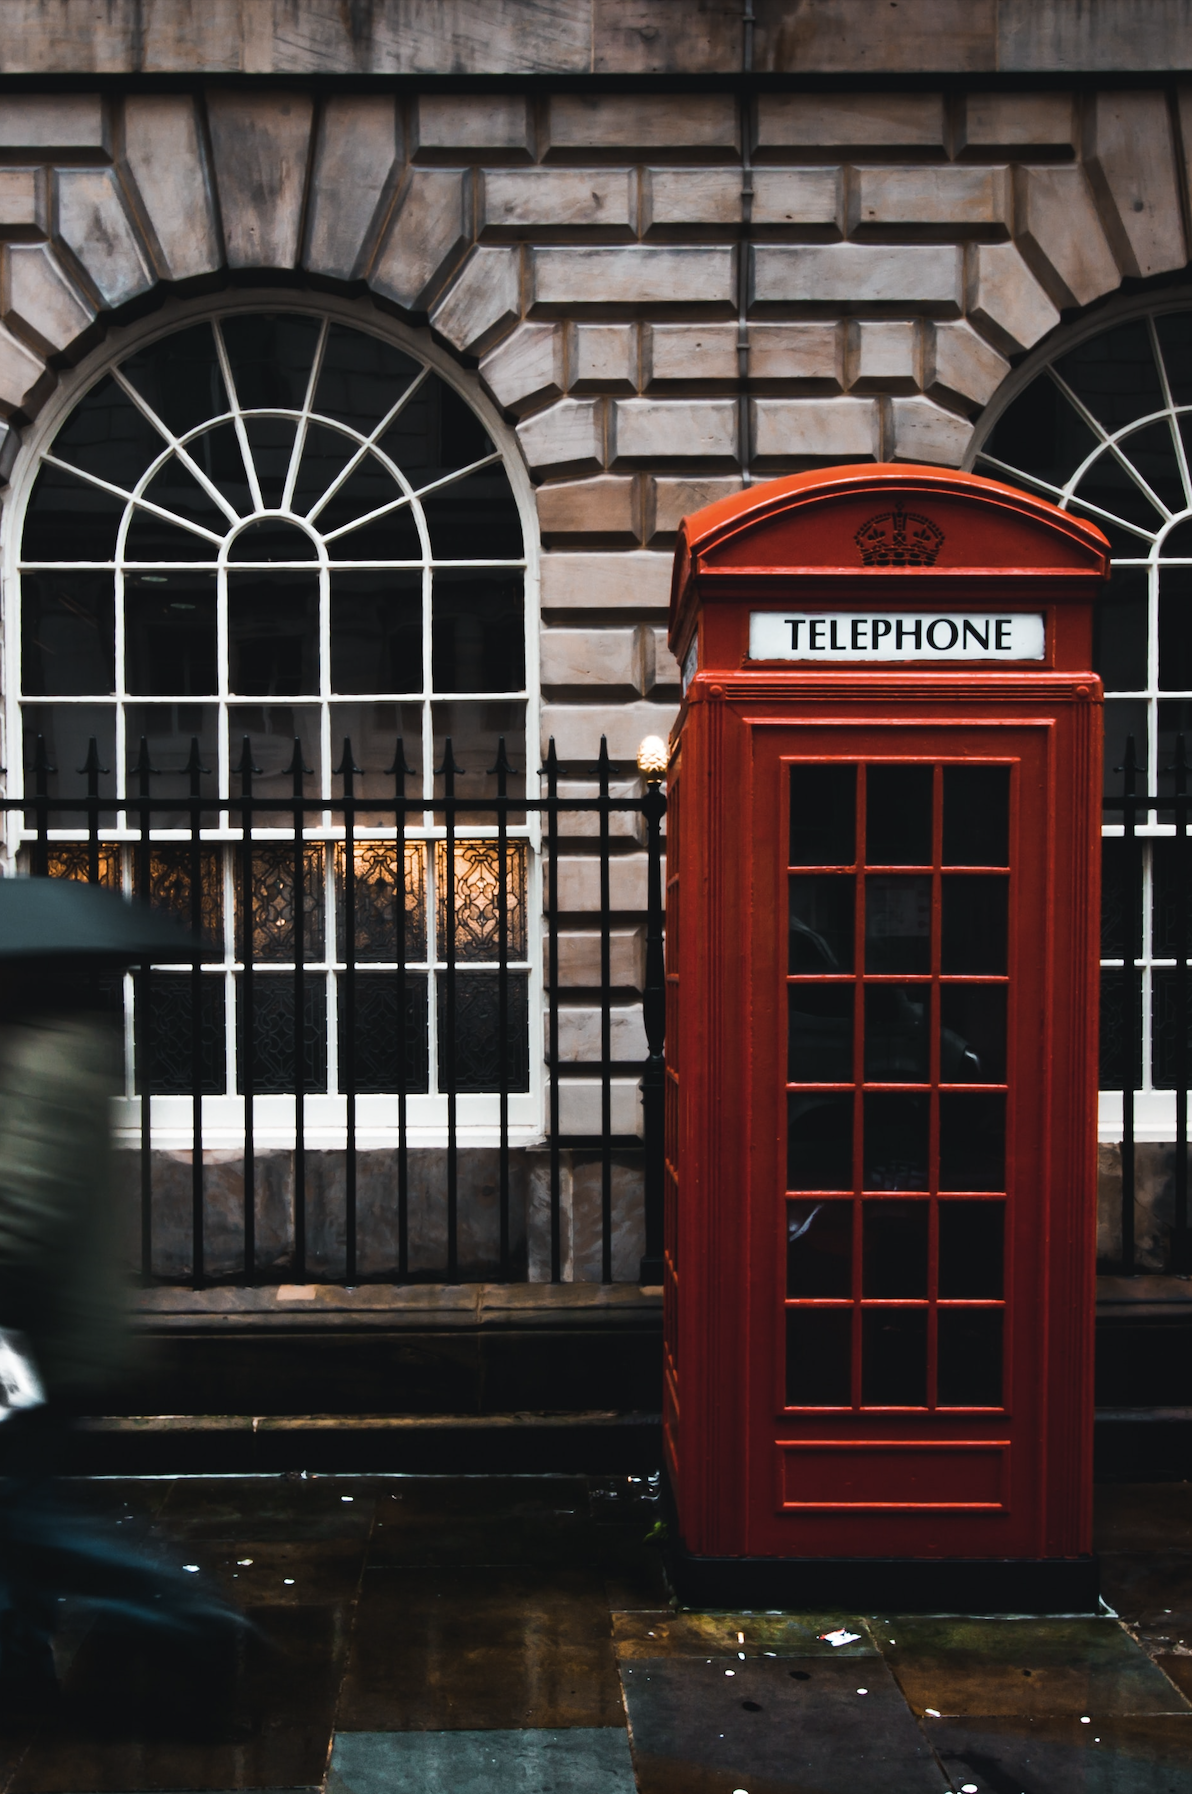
x: 895, y: 635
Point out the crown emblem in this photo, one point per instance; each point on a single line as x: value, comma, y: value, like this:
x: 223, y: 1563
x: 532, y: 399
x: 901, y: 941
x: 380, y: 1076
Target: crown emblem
x: 899, y: 539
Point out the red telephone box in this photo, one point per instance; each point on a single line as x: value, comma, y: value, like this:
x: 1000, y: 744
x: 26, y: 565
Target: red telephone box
x: 883, y: 820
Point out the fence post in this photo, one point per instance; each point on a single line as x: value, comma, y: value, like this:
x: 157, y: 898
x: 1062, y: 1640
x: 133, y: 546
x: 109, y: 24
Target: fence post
x: 347, y: 1066
x: 1132, y: 1019
x: 1179, y: 1242
x: 143, y: 1019
x: 653, y: 1084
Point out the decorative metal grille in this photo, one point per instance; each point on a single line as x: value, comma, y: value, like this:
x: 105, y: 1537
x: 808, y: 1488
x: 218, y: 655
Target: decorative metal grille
x: 378, y: 899
x: 170, y: 1035
x: 273, y: 1058
x: 476, y: 892
x: 478, y: 1059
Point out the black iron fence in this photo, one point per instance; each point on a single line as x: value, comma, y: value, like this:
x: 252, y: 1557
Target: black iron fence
x: 381, y: 978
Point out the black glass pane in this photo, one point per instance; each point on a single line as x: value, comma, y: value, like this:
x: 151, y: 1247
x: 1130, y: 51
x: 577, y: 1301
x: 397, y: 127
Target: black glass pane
x: 974, y: 924
x: 272, y: 540
x: 819, y: 1142
x: 1124, y: 544
x: 820, y: 1033
x: 436, y: 432
x: 271, y: 444
x: 150, y: 538
x: 274, y: 1067
x: 324, y: 455
x: 392, y: 537
x: 894, y: 1357
x: 385, y: 1054
x: 1109, y: 487
x: 819, y: 1248
x: 475, y: 519
x: 896, y: 1140
x: 969, y: 1364
x: 367, y: 488
x: 1175, y: 343
x: 972, y: 1247
x: 1152, y: 452
x: 1114, y: 375
x: 68, y: 519
x: 897, y: 1033
x: 1172, y: 916
x: 375, y: 730
x: 176, y: 490
x: 897, y: 924
x: 168, y: 731
x: 109, y: 436
x: 1172, y: 1030
x: 972, y: 1142
x: 67, y: 730
x: 973, y: 1034
x: 821, y: 924
x: 1121, y: 999
x: 180, y: 378
x: 819, y: 1357
x: 271, y: 358
x: 976, y: 816
x: 473, y: 1052
x: 272, y: 729
x: 895, y: 1249
x: 168, y: 1039
x: 1120, y: 630
x: 67, y: 634
x: 218, y: 455
x: 376, y: 631
x: 273, y: 633
x: 1126, y: 717
x: 170, y: 634
x: 823, y: 815
x: 898, y: 815
x: 361, y: 378
x: 478, y: 632
x: 1175, y: 628
x: 1041, y: 434
x: 1177, y: 543
x: 1114, y: 872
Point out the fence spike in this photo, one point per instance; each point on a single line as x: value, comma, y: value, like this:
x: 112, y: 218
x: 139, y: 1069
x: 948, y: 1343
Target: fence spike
x: 297, y: 768
x: 347, y: 768
x: 399, y: 769
x: 245, y: 766
x: 449, y: 767
x: 91, y: 764
x: 144, y: 767
x: 552, y: 759
x: 503, y: 768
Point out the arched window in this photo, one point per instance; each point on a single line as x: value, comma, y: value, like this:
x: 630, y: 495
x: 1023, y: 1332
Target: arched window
x: 251, y: 538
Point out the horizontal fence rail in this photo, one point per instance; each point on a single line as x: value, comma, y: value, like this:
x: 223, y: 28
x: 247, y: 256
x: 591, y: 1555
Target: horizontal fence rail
x: 383, y: 954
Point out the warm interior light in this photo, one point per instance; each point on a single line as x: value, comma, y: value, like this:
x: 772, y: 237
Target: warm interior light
x: 652, y: 757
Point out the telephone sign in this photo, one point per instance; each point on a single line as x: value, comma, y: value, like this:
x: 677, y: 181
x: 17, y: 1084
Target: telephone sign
x: 883, y: 811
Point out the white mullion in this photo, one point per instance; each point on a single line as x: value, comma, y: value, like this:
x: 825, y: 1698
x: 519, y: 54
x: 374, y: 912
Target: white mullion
x: 296, y: 453
x: 1169, y: 402
x: 1119, y: 455
x: 176, y: 444
x: 1152, y: 682
x: 1145, y: 971
x: 407, y: 498
x: 365, y: 443
x: 225, y: 368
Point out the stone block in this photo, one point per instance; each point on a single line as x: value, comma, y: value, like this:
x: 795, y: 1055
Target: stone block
x: 53, y: 124
x: 572, y: 659
x: 577, y: 729
x: 633, y: 584
x: 520, y: 200
x: 789, y: 429
x: 842, y: 122
x: 580, y: 1030
x: 674, y: 499
x: 584, y: 1232
x: 482, y: 302
x: 527, y: 367
x: 850, y: 274
x: 1131, y: 159
x: 40, y: 301
x: 260, y: 145
x: 603, y: 358
x: 673, y: 430
x: 566, y: 437
x: 806, y: 352
x: 1061, y: 234
x: 579, y: 873
x: 163, y: 147
x: 605, y: 507
x: 1022, y: 125
x: 923, y: 431
x: 1004, y: 300
x: 1154, y: 1203
x: 665, y: 37
x: 668, y: 675
x: 674, y: 198
x: 807, y: 198
x: 579, y: 1110
x: 427, y: 234
x: 641, y: 275
x: 687, y: 352
x: 623, y: 825
x: 23, y: 203
x: 94, y: 224
x: 882, y: 357
x: 355, y: 166
x: 959, y: 366
x: 23, y: 376
x: 958, y: 201
x: 467, y: 125
x: 579, y: 959
x: 580, y: 123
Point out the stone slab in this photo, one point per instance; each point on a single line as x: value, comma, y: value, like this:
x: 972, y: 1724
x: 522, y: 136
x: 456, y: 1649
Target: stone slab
x: 260, y: 144
x: 642, y: 275
x: 583, y: 123
x: 163, y: 146
x: 637, y: 584
x: 604, y: 509
x: 926, y: 276
x: 93, y: 222
x: 466, y: 124
x: 839, y: 122
x: 575, y: 1761
x: 355, y: 164
x: 517, y: 201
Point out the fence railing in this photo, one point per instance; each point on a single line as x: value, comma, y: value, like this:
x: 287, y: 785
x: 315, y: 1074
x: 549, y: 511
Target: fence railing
x: 372, y: 988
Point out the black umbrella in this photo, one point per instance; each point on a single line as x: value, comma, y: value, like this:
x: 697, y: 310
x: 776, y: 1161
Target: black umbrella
x: 48, y: 917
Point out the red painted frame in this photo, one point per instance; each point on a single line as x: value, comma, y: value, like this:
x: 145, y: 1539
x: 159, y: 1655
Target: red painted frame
x: 751, y: 1476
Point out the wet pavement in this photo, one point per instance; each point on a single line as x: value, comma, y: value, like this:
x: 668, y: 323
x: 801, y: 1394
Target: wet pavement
x: 448, y: 1635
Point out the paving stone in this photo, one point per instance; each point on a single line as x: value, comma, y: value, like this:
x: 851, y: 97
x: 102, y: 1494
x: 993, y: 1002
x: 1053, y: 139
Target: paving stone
x: 673, y: 430
x: 618, y: 121
x: 724, y: 1635
x: 921, y: 430
x: 428, y: 232
x: 40, y: 300
x: 672, y: 197
x: 22, y: 201
x: 961, y: 201
x: 526, y: 367
x: 959, y: 365
x: 702, y: 1727
x: 163, y: 146
x: 260, y: 145
x: 843, y: 428
x: 51, y: 123
x: 568, y: 436
x: 926, y: 275
x: 635, y: 583
x: 355, y: 163
x: 1004, y: 300
x: 1062, y: 1756
x: 603, y: 358
x: 537, y: 1762
x: 592, y: 657
x: 519, y: 200
x: 452, y: 122
x: 1152, y: 1592
x: 642, y: 275
x: 1062, y: 234
x: 1143, y: 1517
x: 806, y: 352
x: 483, y: 301
x: 674, y: 499
x: 23, y: 376
x: 605, y: 507
x: 1003, y: 124
x: 882, y: 357
x: 1132, y: 160
x: 852, y: 120
x: 687, y: 352
x: 269, y: 1511
x: 94, y: 224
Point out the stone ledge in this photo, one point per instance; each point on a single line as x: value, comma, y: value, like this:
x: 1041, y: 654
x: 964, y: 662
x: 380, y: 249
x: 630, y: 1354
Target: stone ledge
x: 404, y: 1307
x: 1145, y: 1297
x: 357, y: 1423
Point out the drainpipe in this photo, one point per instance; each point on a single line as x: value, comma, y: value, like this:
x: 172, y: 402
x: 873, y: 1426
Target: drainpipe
x: 745, y: 122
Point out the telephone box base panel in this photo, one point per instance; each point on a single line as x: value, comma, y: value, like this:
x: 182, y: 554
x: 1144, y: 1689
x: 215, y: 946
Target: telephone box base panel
x: 1067, y: 1585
